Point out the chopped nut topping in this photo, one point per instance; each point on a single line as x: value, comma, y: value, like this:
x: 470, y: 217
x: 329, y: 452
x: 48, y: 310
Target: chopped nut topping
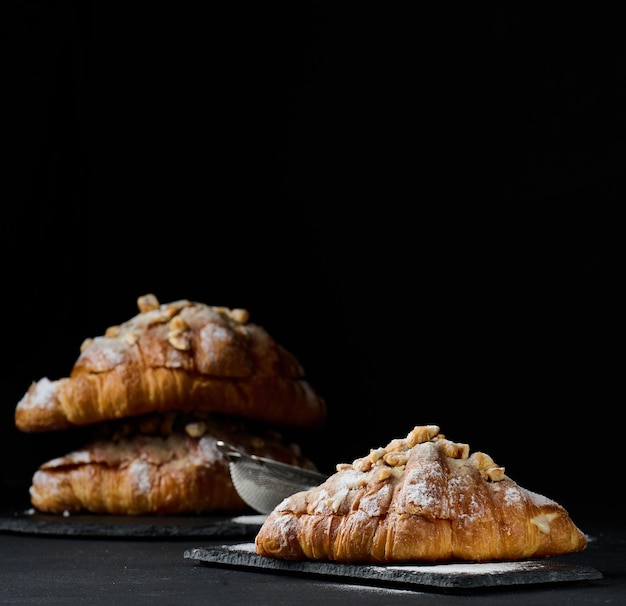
x: 112, y: 331
x: 395, y: 455
x: 179, y: 341
x: 196, y: 430
x: 177, y: 323
x: 147, y: 303
x: 364, y: 464
x: 396, y: 458
x: 177, y: 335
x: 488, y: 469
x: 384, y: 473
x: 396, y: 444
x: 131, y: 337
x: 239, y: 315
x: 374, y: 455
x: 421, y: 434
x: 480, y: 460
x: 333, y: 504
x: 542, y: 522
x: 495, y: 474
x: 454, y: 450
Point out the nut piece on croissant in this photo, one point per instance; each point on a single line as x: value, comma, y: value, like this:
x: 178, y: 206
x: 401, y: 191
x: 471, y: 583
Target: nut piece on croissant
x: 156, y: 464
x: 421, y: 498
x: 182, y: 356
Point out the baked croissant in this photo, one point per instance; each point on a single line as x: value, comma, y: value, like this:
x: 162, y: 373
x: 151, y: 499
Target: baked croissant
x: 158, y: 464
x: 421, y: 498
x: 182, y: 356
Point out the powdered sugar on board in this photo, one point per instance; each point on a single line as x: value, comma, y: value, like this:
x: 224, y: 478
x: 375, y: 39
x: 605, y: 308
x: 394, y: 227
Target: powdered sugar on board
x: 443, y: 576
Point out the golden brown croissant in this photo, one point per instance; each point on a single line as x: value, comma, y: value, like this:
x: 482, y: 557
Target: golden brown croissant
x: 157, y: 464
x: 422, y: 498
x: 182, y: 356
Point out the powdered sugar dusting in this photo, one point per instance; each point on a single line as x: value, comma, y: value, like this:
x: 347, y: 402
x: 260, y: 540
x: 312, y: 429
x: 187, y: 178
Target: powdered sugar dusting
x: 286, y: 526
x: 42, y: 396
x: 211, y: 334
x: 422, y: 489
x: 512, y: 495
x: 207, y: 446
x: 375, y: 504
x: 472, y: 568
x: 320, y: 505
x: 251, y: 519
x: 460, y: 568
x: 43, y: 481
x: 538, y: 500
x: 110, y: 353
x: 140, y: 475
x: 241, y: 547
x: 349, y: 478
x: 78, y: 456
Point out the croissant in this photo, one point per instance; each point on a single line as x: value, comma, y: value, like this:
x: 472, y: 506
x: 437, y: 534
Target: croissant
x: 157, y: 464
x: 420, y: 498
x: 182, y: 356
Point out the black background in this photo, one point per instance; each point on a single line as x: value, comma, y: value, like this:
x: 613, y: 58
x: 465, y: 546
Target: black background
x: 420, y: 204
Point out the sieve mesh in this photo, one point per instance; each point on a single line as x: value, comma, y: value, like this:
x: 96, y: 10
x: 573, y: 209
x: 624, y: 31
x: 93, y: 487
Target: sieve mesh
x: 263, y: 483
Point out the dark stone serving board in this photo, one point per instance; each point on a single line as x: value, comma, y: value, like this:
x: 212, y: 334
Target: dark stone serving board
x: 454, y: 576
x: 92, y: 525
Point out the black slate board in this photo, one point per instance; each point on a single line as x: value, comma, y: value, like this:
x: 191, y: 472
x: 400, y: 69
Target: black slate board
x: 92, y: 525
x: 457, y: 576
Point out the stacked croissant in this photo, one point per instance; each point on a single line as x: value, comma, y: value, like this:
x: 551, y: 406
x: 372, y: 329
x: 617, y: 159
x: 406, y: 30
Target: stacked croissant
x: 158, y: 392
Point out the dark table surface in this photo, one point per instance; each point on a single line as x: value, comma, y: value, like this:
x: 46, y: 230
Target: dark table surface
x: 40, y: 568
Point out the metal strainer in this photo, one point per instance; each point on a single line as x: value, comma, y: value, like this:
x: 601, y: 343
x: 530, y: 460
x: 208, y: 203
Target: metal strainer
x: 263, y: 483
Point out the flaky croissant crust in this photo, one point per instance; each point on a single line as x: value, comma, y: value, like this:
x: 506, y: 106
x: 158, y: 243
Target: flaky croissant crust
x: 422, y: 498
x: 156, y: 464
x: 183, y: 356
